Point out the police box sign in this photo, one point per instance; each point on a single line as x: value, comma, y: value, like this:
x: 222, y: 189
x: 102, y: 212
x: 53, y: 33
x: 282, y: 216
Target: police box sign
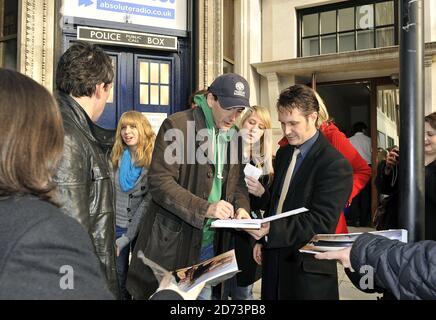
x: 127, y: 38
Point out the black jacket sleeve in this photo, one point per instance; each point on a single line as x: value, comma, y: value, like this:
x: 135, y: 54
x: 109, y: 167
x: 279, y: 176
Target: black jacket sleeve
x: 386, y: 183
x: 406, y: 270
x: 262, y: 202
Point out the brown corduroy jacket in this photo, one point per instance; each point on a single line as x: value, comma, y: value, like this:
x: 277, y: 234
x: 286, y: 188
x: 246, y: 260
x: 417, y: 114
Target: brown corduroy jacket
x: 171, y: 232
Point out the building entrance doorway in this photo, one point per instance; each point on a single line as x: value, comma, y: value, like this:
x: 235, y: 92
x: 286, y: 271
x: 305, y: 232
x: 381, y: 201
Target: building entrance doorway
x: 349, y: 105
x: 375, y: 102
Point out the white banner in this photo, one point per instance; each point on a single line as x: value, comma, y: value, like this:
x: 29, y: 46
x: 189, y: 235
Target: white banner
x: 156, y: 119
x: 168, y: 14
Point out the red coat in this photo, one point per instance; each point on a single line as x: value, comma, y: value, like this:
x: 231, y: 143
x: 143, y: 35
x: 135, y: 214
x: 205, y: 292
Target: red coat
x: 361, y: 170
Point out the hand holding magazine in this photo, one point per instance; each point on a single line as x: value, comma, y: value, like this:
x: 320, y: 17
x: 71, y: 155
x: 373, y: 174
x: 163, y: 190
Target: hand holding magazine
x: 186, y: 280
x: 253, y: 223
x: 333, y: 242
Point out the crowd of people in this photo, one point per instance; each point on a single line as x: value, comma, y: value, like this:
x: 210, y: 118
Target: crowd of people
x: 78, y: 202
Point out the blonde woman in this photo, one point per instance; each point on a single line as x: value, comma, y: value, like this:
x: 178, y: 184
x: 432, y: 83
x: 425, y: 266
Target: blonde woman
x: 255, y: 128
x: 131, y: 158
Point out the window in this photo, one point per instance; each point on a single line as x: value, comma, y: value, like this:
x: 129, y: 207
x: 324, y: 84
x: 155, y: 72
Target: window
x: 381, y: 140
x: 154, y: 82
x: 388, y: 101
x: 390, y: 142
x: 347, y: 26
x: 8, y: 33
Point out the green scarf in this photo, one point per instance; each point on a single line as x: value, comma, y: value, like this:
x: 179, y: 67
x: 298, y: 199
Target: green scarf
x: 221, y: 138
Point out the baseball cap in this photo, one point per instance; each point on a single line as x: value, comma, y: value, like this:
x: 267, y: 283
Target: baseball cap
x: 232, y: 90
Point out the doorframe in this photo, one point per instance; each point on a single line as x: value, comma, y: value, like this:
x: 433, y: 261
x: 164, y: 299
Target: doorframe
x: 373, y: 83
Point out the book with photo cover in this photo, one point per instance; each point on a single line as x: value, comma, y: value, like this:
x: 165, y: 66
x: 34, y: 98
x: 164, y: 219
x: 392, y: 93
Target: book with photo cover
x: 253, y: 223
x: 332, y: 242
x: 211, y: 271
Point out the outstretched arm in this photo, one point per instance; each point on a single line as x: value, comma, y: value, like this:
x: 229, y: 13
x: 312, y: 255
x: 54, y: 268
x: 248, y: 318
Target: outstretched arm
x: 406, y: 270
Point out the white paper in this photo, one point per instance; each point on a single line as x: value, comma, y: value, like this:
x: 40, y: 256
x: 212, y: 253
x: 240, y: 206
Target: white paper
x: 253, y: 223
x: 252, y: 171
x: 237, y: 223
x: 285, y: 214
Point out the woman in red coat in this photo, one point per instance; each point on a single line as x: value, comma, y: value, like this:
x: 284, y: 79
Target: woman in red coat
x: 361, y: 170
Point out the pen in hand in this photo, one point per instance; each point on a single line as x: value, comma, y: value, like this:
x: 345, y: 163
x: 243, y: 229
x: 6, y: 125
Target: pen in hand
x: 230, y: 201
x: 220, y: 210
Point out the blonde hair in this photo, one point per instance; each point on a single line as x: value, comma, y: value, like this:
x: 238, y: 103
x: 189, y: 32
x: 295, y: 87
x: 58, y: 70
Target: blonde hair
x: 323, y: 114
x: 266, y: 139
x: 146, y: 139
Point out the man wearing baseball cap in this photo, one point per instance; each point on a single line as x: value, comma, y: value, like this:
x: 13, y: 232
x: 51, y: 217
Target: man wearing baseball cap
x: 188, y: 194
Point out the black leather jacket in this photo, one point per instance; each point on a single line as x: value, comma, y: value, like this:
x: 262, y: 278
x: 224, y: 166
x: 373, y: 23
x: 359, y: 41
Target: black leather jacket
x: 84, y: 183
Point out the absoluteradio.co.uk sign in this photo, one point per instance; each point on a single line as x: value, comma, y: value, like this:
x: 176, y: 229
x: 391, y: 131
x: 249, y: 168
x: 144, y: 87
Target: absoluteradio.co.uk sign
x: 127, y: 38
x: 168, y: 14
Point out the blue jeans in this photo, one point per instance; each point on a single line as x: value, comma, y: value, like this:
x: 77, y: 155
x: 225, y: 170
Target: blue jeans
x: 231, y: 289
x: 123, y: 264
x: 205, y: 254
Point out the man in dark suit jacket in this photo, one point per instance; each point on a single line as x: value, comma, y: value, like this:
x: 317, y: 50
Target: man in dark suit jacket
x: 320, y: 181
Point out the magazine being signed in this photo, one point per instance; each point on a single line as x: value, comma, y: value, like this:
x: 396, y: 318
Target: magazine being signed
x: 254, y: 223
x: 212, y: 271
x: 332, y: 242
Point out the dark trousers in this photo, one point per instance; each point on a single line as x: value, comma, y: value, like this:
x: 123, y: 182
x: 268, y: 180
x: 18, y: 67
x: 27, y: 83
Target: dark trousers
x: 360, y: 209
x: 302, y: 278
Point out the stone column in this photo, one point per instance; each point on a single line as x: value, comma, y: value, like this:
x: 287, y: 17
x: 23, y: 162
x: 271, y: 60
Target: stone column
x: 210, y: 49
x: 273, y: 93
x: 429, y: 83
x: 248, y: 43
x: 1, y: 31
x: 36, y: 24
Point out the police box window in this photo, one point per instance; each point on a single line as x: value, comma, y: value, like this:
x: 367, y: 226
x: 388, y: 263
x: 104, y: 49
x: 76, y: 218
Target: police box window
x: 347, y: 26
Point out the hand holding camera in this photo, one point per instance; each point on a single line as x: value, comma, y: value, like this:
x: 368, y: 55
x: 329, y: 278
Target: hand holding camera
x: 392, y: 159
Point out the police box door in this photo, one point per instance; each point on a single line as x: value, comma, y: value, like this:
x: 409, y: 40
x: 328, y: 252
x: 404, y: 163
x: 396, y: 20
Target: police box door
x: 143, y: 82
